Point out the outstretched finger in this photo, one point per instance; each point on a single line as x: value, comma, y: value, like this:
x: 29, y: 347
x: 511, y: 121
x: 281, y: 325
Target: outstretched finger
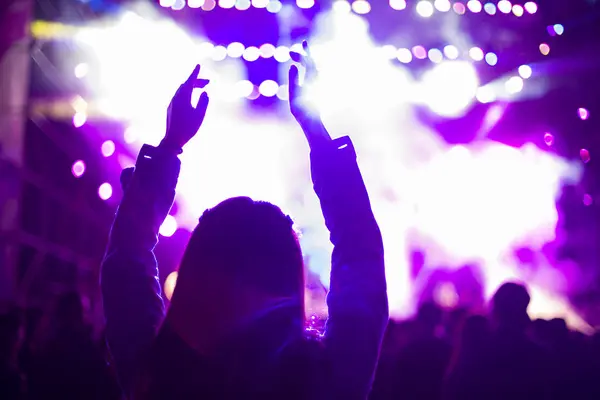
x: 200, y: 83
x: 201, y: 107
x: 193, y: 76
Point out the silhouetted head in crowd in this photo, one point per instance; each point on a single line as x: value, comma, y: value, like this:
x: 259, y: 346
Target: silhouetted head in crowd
x: 429, y: 317
x: 10, y: 335
x: 69, y: 310
x: 509, y: 307
x: 243, y: 256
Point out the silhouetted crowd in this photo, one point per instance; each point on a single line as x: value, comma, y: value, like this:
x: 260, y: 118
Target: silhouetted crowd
x: 438, y: 354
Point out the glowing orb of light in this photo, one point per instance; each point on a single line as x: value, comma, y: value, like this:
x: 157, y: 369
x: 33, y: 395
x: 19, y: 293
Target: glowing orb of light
x: 105, y: 191
x: 108, y: 148
x: 78, y: 169
x: 168, y: 227
x: 450, y: 88
x: 425, y: 9
x: 170, y: 284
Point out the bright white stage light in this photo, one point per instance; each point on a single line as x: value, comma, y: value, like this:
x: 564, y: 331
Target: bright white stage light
x: 425, y: 8
x: 450, y: 87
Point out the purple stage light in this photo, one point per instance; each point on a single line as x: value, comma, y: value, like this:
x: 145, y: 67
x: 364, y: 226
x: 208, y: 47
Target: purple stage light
x: 504, y: 6
x: 424, y: 9
x: 442, y: 5
x: 583, y: 113
x: 419, y: 52
x: 79, y: 119
x: 361, y: 7
x: 531, y: 7
x: 78, y: 169
x: 404, y: 56
x: 518, y: 10
x: 105, y: 191
x: 474, y: 6
x: 108, y: 148
x: 398, y: 4
x: 490, y: 8
x: 459, y: 8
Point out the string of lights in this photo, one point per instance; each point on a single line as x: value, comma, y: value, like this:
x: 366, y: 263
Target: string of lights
x: 424, y: 8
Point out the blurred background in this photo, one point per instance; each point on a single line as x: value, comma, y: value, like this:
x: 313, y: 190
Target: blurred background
x: 475, y: 122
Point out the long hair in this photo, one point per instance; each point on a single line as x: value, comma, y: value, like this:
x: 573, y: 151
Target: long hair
x: 251, y: 242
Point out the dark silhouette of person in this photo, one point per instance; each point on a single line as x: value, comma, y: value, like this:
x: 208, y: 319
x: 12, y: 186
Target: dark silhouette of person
x: 467, y: 374
x: 69, y: 364
x: 422, y: 364
x: 517, y: 368
x: 235, y: 328
x: 12, y: 385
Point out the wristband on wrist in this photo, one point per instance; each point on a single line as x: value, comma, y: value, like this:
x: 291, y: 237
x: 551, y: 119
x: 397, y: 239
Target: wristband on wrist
x: 170, y: 146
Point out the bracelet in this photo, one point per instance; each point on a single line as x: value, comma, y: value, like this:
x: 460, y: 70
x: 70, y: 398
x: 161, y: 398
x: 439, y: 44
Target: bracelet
x: 168, y: 145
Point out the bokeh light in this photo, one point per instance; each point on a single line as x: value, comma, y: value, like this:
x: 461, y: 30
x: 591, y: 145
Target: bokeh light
x: 341, y: 6
x: 518, y: 10
x: 459, y: 8
x: 548, y: 139
x: 435, y: 56
x: 78, y: 169
x: 268, y: 88
x: 235, y: 50
x: 583, y: 113
x: 251, y: 53
x: 168, y: 227
x: 544, y: 49
x: 108, y: 148
x: 474, y: 6
x: 305, y: 3
x: 585, y: 155
x: 419, y: 52
x: 442, y: 5
x: 79, y: 119
x: 504, y: 6
x: 531, y: 7
x: 226, y: 3
x: 476, y: 53
x: 404, y: 56
x: 267, y: 50
x: 219, y: 53
x: 105, y: 191
x: 559, y: 29
x: 166, y: 3
x: 282, y: 54
x: 587, y: 200
x: 361, y: 6
x: 491, y: 59
x: 450, y: 87
x: 170, y: 283
x: 398, y: 4
x: 514, y: 85
x: 525, y: 71
x: 451, y: 52
x: 242, y: 5
x: 490, y: 8
x: 81, y: 70
x: 274, y: 6
x: 425, y: 8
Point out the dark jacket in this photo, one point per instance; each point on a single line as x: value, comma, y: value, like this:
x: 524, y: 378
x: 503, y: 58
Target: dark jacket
x: 357, y: 300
